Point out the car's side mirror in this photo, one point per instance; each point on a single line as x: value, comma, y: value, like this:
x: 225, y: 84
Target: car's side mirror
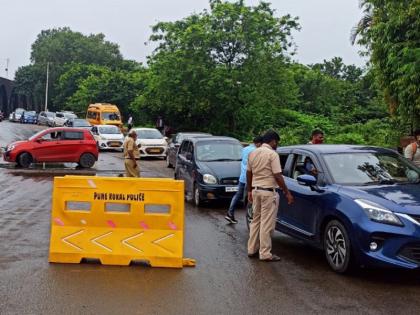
x: 306, y: 180
x: 310, y: 181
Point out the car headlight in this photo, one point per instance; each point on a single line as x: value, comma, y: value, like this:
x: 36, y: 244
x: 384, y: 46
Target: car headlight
x: 103, y: 138
x: 10, y: 147
x: 209, y: 179
x: 378, y: 213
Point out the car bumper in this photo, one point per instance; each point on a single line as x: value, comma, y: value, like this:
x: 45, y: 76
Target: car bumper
x: 110, y: 144
x: 217, y: 192
x: 396, y: 246
x: 8, y: 157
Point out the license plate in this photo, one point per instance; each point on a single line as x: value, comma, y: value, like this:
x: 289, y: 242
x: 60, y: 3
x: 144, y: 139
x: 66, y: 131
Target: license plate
x: 232, y: 189
x: 154, y: 150
x: 115, y: 144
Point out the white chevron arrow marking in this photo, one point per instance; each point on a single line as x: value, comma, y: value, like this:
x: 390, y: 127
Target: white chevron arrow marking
x: 124, y: 241
x: 155, y: 242
x: 65, y: 239
x: 94, y: 241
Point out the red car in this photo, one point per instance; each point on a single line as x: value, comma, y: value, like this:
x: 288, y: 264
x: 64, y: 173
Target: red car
x: 55, y: 145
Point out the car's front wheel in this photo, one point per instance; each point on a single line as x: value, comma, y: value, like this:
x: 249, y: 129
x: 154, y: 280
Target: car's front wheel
x: 337, y: 247
x: 87, y: 160
x: 24, y: 160
x: 197, y: 198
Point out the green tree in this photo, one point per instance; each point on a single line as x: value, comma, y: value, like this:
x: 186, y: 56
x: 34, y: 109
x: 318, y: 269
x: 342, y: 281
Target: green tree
x: 391, y: 32
x: 222, y: 69
x: 61, y: 47
x: 104, y: 85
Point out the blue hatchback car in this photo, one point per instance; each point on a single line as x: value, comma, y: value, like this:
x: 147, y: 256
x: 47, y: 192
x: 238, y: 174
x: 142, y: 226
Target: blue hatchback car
x: 360, y: 204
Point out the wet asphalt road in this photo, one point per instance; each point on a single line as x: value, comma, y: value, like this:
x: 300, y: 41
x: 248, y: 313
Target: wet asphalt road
x: 225, y: 280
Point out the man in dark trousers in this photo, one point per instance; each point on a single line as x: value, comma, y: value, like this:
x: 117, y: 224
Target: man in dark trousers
x: 230, y: 216
x: 264, y: 176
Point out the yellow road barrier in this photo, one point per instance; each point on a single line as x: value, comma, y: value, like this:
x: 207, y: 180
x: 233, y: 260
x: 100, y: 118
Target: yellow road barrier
x: 118, y: 220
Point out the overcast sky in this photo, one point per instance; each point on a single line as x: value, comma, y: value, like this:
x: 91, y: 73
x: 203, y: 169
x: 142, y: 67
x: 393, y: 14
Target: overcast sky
x: 326, y: 25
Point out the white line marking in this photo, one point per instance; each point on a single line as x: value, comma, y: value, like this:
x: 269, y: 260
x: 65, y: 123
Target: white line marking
x: 124, y: 241
x: 155, y: 242
x: 64, y: 239
x: 94, y: 241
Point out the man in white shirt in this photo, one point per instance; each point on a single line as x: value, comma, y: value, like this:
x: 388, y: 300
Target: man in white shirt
x: 412, y: 151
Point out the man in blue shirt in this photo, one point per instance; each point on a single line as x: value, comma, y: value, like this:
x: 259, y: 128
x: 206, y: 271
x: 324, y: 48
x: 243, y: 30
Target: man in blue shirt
x: 230, y: 216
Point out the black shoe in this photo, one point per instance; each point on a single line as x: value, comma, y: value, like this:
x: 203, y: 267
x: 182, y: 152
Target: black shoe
x: 231, y: 218
x: 273, y: 258
x: 254, y: 255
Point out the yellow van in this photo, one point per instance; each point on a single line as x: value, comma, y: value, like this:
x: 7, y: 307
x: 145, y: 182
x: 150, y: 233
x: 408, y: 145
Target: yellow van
x: 104, y: 114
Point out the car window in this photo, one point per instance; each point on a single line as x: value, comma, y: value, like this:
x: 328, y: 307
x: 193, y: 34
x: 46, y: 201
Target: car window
x: 283, y: 160
x: 52, y: 136
x: 59, y: 115
x: 73, y: 135
x: 303, y: 165
x: 184, y: 147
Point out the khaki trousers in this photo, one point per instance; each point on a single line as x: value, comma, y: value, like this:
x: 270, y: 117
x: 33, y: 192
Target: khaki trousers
x: 265, y: 206
x: 130, y: 170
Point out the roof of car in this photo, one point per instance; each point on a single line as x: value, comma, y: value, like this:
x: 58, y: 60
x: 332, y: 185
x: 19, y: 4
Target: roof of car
x: 66, y: 129
x: 335, y: 148
x: 144, y: 128
x: 212, y: 138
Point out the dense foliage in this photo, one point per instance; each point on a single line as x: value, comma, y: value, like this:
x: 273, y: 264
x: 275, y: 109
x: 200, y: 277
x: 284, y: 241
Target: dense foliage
x: 227, y: 70
x: 390, y: 30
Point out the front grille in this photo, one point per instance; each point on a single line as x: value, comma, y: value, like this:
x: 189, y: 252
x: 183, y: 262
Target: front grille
x: 416, y: 217
x: 230, y: 181
x: 154, y: 150
x: 411, y: 252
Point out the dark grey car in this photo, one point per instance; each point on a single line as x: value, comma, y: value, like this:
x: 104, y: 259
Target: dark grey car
x: 176, y: 141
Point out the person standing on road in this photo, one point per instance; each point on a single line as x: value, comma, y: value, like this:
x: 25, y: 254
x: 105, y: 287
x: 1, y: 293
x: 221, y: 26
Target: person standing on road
x: 230, y: 216
x: 130, y: 122
x: 317, y: 137
x: 264, y: 176
x: 412, y: 151
x: 131, y: 154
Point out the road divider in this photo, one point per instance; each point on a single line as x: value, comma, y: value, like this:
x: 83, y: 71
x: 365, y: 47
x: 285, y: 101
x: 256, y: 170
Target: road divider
x: 118, y: 221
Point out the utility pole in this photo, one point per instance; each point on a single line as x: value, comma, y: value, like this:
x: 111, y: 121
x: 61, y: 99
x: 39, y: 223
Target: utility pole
x: 46, y: 87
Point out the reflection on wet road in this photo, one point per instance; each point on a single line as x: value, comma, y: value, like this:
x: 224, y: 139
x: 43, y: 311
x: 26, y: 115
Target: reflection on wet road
x: 225, y: 280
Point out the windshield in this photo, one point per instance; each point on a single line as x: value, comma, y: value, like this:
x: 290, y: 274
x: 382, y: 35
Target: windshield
x: 219, y: 151
x: 31, y: 113
x: 80, y: 123
x: 371, y: 168
x: 110, y: 116
x: 109, y: 130
x: 36, y: 135
x: 19, y: 111
x: 149, y: 134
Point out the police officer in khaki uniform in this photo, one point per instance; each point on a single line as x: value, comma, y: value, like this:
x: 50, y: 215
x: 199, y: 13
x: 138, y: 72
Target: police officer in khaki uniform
x: 264, y: 176
x: 131, y: 153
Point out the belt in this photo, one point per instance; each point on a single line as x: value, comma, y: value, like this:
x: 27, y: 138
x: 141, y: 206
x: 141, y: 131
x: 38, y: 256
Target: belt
x: 266, y: 189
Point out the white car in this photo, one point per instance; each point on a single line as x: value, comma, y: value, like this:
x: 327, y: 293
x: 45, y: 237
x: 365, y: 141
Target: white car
x: 108, y: 137
x: 151, y: 142
x: 61, y: 118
